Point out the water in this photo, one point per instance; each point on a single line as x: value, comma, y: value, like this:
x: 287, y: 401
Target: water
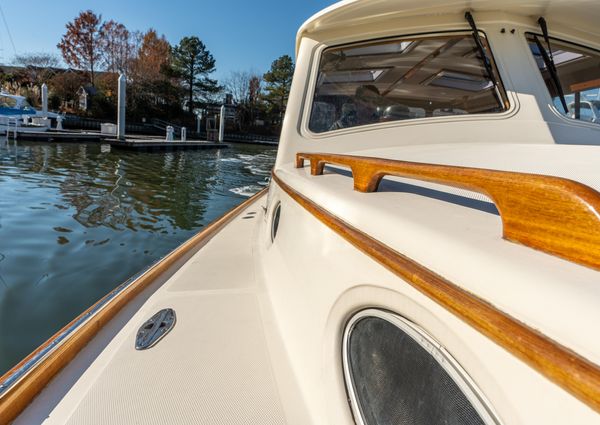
x: 76, y: 220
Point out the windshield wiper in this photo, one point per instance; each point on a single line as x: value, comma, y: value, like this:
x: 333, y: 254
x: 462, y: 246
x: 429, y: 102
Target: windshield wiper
x: 487, y: 63
x: 549, y: 62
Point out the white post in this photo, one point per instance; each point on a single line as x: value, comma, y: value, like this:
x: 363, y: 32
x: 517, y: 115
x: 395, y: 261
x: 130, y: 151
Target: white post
x: 170, y: 131
x: 222, y: 124
x: 45, y: 100
x: 59, y: 120
x: 198, y: 123
x: 121, y: 108
x: 16, y: 121
x: 183, y: 134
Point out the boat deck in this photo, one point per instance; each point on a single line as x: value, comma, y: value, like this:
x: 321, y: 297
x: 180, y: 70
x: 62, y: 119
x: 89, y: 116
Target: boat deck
x: 213, y: 367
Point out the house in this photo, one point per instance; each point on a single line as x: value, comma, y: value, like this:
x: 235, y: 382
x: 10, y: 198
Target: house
x: 85, y: 95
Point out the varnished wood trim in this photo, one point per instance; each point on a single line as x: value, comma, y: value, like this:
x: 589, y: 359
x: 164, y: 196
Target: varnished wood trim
x: 592, y: 84
x: 14, y: 399
x: 552, y: 214
x: 572, y: 372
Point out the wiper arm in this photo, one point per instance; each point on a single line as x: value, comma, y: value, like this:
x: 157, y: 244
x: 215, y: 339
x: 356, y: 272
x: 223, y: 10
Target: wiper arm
x: 549, y: 62
x: 487, y: 63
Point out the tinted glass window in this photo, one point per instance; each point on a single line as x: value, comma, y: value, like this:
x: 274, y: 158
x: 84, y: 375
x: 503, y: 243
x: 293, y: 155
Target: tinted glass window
x: 578, y: 72
x: 397, y: 381
x: 402, y: 80
x: 7, y: 102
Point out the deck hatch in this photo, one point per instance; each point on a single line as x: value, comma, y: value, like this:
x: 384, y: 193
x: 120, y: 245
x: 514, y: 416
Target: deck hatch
x: 155, y: 328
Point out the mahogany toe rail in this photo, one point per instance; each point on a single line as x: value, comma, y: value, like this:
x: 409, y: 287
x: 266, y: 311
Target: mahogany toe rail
x: 551, y: 214
x: 571, y: 371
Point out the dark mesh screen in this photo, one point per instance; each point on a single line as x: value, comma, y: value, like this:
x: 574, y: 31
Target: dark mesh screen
x: 397, y: 381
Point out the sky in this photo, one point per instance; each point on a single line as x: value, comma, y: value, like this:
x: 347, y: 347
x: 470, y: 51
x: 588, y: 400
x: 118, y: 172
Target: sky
x: 241, y: 35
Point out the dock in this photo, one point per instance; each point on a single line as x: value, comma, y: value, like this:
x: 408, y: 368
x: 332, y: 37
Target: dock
x: 139, y: 144
x: 132, y: 142
x: 64, y: 136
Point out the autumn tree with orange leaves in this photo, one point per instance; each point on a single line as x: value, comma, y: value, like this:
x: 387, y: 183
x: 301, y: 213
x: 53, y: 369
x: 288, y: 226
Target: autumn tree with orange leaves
x: 153, y: 57
x: 155, y: 88
x: 81, y: 45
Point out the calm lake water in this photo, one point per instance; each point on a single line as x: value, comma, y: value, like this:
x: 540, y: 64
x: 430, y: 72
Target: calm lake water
x: 76, y: 220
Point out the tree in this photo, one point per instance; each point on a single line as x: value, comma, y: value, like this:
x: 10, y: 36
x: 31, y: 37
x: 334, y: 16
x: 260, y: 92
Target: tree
x: 81, y: 45
x: 254, y: 89
x: 245, y: 87
x: 155, y: 89
x: 153, y: 57
x: 117, y: 46
x: 238, y: 85
x: 278, y: 81
x: 194, y: 63
x: 39, y: 66
x: 64, y: 85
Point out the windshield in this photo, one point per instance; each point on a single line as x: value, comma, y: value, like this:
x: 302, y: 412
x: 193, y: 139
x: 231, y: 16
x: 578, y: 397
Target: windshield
x: 25, y: 105
x: 401, y: 80
x: 578, y: 72
x: 8, y: 102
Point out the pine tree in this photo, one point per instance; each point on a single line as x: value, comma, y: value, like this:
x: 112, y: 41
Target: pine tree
x: 194, y: 63
x: 278, y: 82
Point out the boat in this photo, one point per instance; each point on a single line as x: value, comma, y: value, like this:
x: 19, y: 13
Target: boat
x: 427, y: 251
x: 15, y: 111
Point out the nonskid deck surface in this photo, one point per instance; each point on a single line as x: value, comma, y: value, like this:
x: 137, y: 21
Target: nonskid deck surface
x: 213, y: 367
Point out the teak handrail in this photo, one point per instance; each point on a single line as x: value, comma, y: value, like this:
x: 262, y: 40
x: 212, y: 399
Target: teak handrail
x: 38, y: 372
x: 571, y: 371
x: 551, y: 214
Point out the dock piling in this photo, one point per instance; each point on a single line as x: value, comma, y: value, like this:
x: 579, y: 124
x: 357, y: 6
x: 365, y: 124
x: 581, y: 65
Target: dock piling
x: 45, y: 100
x: 222, y: 124
x: 199, y: 122
x: 121, y: 108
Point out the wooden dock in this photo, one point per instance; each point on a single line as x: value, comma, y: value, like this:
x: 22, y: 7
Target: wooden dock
x: 139, y: 144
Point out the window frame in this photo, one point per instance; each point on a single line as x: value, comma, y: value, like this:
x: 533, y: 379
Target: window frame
x: 548, y: 97
x: 313, y: 76
x: 464, y: 382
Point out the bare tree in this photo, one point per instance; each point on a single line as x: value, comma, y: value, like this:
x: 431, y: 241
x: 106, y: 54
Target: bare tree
x: 38, y: 66
x: 81, y: 45
x: 238, y: 85
x: 118, y: 46
x: 245, y: 87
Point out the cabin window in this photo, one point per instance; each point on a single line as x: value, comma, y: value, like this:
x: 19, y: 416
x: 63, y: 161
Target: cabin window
x: 7, y: 102
x: 397, y: 374
x: 401, y: 79
x: 577, y: 76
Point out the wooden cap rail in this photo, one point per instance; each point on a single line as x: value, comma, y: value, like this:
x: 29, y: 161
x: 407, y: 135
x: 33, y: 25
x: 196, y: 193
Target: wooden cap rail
x: 20, y: 385
x: 571, y: 371
x: 552, y: 214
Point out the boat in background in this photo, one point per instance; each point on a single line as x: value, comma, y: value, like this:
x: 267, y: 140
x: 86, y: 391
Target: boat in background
x: 15, y: 111
x: 428, y: 251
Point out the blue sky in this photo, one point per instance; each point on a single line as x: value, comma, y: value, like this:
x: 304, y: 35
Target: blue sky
x: 241, y: 35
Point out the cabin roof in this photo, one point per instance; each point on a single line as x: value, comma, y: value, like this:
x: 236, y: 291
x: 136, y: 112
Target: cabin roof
x: 584, y: 15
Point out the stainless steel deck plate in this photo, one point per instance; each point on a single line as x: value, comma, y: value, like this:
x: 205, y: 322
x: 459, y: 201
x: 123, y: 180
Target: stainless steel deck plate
x: 155, y: 328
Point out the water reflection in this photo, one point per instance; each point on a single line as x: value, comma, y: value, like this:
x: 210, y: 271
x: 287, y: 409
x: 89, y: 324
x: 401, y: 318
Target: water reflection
x: 78, y: 219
